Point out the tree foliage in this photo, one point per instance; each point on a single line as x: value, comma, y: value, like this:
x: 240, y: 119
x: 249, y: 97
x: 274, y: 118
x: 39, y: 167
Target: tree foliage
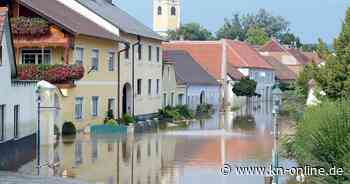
x: 322, y: 139
x: 237, y: 27
x: 334, y: 76
x: 245, y: 87
x: 190, y: 31
x: 302, y: 83
x: 322, y: 50
x: 257, y: 36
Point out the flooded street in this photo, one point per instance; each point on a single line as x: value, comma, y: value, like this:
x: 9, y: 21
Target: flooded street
x: 188, y: 154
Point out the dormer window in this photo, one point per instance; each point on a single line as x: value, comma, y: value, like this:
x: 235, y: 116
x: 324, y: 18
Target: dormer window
x: 173, y: 11
x: 159, y: 10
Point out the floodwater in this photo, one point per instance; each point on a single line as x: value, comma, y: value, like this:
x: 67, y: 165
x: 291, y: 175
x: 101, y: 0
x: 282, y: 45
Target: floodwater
x: 186, y: 155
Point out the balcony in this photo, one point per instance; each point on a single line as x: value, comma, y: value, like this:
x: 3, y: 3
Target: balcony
x: 38, y: 33
x: 60, y: 75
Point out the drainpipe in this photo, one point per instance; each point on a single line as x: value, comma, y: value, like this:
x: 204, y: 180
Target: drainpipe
x: 127, y: 47
x: 133, y: 73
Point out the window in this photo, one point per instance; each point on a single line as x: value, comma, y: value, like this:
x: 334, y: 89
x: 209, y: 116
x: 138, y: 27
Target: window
x: 95, y: 59
x: 159, y: 10
x: 158, y: 54
x: 149, y: 86
x: 158, y: 87
x: 111, y: 104
x: 180, y: 99
x: 139, y: 86
x: 157, y: 147
x: 35, y: 56
x: 172, y: 99
x: 173, y: 11
x: 79, y: 56
x: 164, y: 99
x: 126, y: 54
x: 79, y: 108
x: 2, y: 122
x: 111, y: 61
x: 16, y: 121
x: 140, y: 52
x: 150, y: 53
x: 95, y: 106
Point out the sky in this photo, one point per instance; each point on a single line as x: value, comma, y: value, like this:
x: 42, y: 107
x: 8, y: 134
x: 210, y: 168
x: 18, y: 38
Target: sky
x: 310, y: 19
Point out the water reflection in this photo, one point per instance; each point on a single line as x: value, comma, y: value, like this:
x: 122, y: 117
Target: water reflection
x: 193, y: 155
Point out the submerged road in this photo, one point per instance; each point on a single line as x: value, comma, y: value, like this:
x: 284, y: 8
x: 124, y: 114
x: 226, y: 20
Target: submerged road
x: 13, y: 178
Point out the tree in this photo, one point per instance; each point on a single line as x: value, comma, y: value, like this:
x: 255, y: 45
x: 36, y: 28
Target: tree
x: 290, y: 39
x: 190, y: 31
x: 257, y: 36
x: 322, y: 50
x: 237, y: 27
x: 245, y: 87
x: 302, y: 83
x: 334, y: 76
x: 232, y: 29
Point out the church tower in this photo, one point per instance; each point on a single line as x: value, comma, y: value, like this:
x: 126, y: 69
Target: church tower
x: 166, y: 15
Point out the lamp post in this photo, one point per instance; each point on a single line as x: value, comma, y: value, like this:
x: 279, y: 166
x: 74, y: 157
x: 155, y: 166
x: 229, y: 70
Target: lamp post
x: 277, y: 103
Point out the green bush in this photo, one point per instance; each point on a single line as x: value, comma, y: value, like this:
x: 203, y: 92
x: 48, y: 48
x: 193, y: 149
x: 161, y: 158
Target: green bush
x: 127, y: 119
x: 112, y: 122
x: 68, y: 128
x: 170, y: 113
x: 204, y: 109
x: 185, y: 111
x: 322, y: 139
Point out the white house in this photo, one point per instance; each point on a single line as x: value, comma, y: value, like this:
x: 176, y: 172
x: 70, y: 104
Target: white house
x: 200, y: 87
x: 18, y: 106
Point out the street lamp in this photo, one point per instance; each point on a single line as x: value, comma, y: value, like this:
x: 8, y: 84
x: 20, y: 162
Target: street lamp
x: 277, y: 103
x: 40, y: 86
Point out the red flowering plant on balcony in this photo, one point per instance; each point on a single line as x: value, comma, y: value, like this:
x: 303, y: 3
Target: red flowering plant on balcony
x: 56, y: 74
x: 26, y: 26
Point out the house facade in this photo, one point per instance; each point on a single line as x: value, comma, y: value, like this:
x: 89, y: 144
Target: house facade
x: 92, y: 43
x: 200, y: 87
x: 228, y: 61
x: 173, y: 90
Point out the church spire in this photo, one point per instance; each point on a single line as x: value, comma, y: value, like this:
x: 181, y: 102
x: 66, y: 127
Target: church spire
x: 166, y: 15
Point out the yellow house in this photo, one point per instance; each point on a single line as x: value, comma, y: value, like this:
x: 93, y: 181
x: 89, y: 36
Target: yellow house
x: 85, y: 39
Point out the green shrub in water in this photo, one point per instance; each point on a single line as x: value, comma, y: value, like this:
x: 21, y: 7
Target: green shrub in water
x: 185, y: 111
x: 68, y: 128
x: 127, y: 119
x: 204, y: 108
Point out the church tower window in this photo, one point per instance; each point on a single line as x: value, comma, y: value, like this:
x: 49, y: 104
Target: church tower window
x: 159, y: 10
x: 173, y: 11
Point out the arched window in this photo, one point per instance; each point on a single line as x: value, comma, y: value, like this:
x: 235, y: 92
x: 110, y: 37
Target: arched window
x: 159, y: 10
x: 173, y: 11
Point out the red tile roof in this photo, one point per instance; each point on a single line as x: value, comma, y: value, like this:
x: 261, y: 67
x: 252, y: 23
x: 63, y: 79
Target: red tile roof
x: 3, y: 17
x: 299, y: 56
x: 282, y: 71
x: 243, y: 55
x: 272, y: 46
x: 233, y: 72
x: 209, y: 55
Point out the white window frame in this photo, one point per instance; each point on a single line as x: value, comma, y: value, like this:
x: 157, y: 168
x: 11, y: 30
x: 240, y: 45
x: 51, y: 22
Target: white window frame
x: 97, y: 106
x: 36, y: 55
x: 98, y: 58
x: 82, y: 108
x: 75, y: 55
x: 111, y: 53
x: 114, y: 108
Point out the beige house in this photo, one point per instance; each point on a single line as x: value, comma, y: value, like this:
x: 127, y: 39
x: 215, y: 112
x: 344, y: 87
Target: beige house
x: 173, y: 89
x: 94, y: 38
